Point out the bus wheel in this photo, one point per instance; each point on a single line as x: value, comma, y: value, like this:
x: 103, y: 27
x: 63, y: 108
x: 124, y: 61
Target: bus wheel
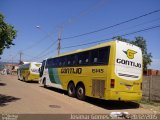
x: 71, y: 89
x: 24, y: 79
x: 44, y: 83
x: 80, y: 91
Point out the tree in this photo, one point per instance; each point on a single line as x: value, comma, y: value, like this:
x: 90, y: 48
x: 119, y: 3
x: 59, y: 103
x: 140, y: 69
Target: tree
x: 140, y: 42
x: 120, y: 39
x: 7, y: 34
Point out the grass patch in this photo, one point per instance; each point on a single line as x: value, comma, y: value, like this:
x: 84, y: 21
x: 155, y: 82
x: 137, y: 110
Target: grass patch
x: 151, y: 105
x: 148, y: 102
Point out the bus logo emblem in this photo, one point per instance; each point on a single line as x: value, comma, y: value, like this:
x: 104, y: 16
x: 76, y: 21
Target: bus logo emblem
x: 130, y: 53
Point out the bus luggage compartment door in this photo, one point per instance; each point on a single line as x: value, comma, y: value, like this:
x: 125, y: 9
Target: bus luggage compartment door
x: 98, y: 88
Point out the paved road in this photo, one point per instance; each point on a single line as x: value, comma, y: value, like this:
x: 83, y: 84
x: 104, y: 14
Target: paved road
x: 21, y: 97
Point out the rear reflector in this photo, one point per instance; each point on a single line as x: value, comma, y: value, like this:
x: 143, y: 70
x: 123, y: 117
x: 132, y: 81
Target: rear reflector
x: 112, y: 83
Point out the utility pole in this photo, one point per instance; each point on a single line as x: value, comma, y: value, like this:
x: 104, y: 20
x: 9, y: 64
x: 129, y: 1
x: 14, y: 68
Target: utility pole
x: 59, y: 42
x: 12, y: 60
x: 20, y: 56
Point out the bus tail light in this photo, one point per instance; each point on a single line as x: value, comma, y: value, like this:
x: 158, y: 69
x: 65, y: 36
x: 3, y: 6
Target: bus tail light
x: 112, y: 83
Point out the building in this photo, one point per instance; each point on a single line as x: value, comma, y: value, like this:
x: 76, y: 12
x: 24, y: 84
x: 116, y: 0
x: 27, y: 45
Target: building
x: 152, y: 72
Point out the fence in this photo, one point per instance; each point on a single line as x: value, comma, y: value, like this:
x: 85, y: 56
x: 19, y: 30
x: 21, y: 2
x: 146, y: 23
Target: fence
x: 151, y: 88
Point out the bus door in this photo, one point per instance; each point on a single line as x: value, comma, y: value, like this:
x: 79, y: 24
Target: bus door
x: 41, y: 69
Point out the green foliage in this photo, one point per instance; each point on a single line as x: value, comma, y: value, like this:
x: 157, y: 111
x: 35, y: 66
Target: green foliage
x: 7, y: 34
x: 140, y: 42
x: 120, y: 39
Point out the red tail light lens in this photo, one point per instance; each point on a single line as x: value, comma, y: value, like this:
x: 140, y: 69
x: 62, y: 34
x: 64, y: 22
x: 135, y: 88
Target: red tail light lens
x: 112, y: 83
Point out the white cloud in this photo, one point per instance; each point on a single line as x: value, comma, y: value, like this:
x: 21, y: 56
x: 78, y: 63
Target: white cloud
x: 155, y: 64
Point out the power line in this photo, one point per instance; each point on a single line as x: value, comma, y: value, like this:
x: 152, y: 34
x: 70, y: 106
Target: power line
x: 45, y: 49
x: 134, y: 26
x: 36, y: 43
x: 146, y: 29
x: 49, y: 52
x: 112, y: 25
x: 97, y: 5
x: 82, y: 13
x: 100, y: 30
x: 11, y: 59
x: 142, y: 30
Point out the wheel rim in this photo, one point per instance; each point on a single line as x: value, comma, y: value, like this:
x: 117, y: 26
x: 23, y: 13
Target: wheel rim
x: 80, y: 91
x: 70, y: 90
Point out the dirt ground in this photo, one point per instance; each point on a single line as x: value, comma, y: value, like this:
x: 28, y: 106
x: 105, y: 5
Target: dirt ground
x: 31, y: 98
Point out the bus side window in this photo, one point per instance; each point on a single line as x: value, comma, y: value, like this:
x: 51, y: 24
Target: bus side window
x: 102, y: 56
x: 83, y: 58
x: 60, y: 63
x: 71, y: 60
x: 57, y: 60
x: 63, y: 60
x: 95, y: 60
x: 80, y: 62
x: 94, y: 56
x: 87, y: 60
x: 49, y: 63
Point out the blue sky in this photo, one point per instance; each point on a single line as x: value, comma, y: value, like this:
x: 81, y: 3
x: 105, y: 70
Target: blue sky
x: 74, y: 17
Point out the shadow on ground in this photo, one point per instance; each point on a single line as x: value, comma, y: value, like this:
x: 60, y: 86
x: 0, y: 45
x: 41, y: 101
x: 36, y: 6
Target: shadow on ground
x: 112, y: 105
x: 34, y: 82
x: 106, y: 104
x: 4, y: 100
x: 3, y: 84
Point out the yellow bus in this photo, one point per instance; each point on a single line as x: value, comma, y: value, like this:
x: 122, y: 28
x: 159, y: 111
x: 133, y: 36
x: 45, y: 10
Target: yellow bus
x: 29, y: 71
x: 110, y: 71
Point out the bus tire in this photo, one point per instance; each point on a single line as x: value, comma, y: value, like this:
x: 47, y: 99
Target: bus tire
x: 24, y: 79
x: 44, y: 83
x: 71, y: 89
x: 80, y: 92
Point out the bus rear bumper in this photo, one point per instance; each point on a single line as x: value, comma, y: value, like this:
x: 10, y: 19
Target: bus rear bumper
x: 125, y: 96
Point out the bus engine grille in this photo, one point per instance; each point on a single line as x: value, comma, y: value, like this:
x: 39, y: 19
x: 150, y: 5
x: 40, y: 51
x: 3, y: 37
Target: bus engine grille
x: 98, y: 88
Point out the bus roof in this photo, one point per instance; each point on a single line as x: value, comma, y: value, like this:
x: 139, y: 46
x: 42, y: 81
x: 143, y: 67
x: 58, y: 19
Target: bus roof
x: 91, y: 48
x: 86, y: 49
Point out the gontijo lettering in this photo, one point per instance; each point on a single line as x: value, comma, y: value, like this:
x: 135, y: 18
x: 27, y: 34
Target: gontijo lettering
x: 129, y: 63
x: 71, y: 70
